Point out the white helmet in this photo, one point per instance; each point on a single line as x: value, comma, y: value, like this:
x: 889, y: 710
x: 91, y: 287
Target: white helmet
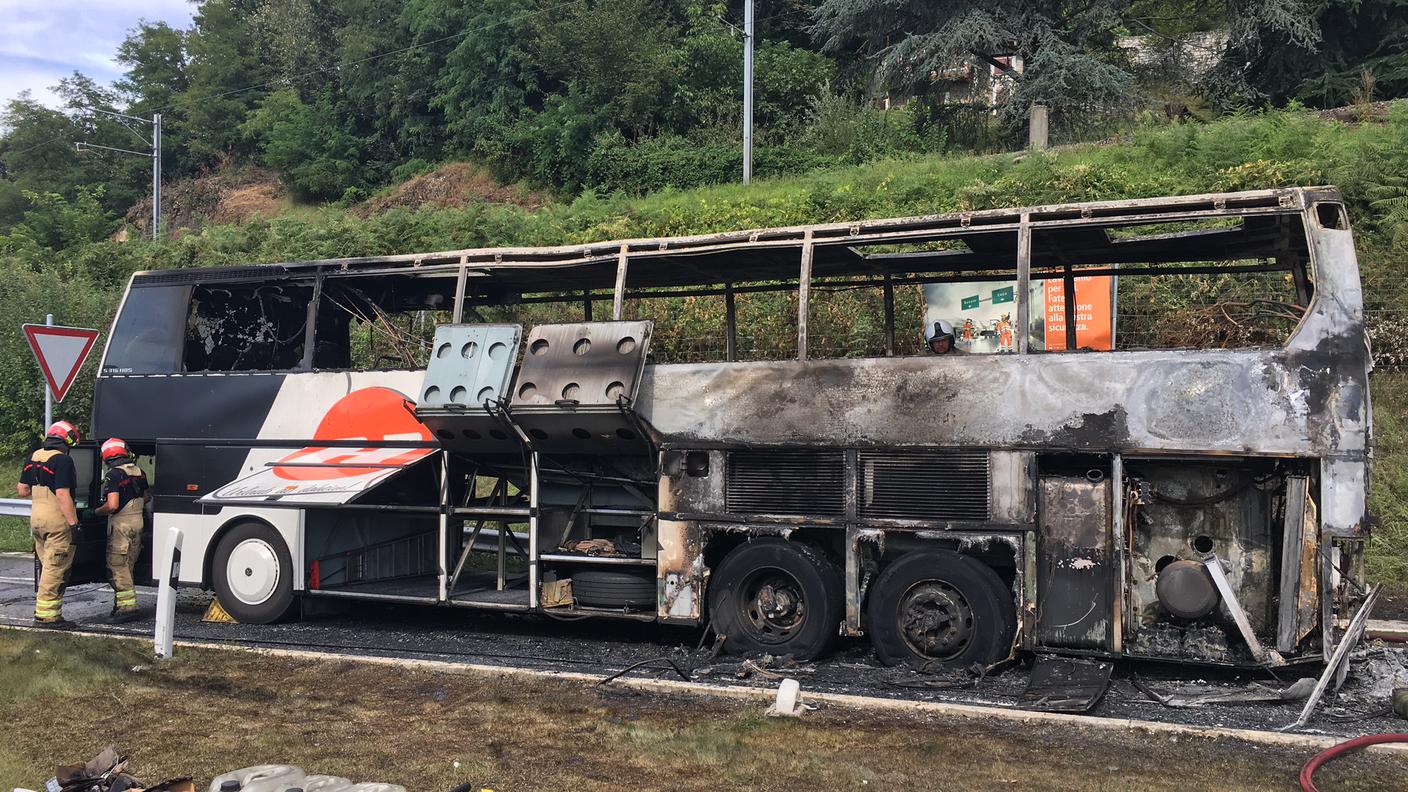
x: 941, y: 328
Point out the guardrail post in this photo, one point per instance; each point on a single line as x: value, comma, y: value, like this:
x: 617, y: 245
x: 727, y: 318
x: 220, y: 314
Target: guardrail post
x: 166, y: 594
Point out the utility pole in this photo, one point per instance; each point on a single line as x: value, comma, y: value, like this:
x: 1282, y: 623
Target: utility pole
x: 155, y: 155
x: 48, y: 393
x: 156, y: 176
x: 747, y: 91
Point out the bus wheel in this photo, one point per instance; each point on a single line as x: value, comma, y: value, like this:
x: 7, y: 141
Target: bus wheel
x: 771, y: 595
x: 940, y: 608
x: 253, y: 574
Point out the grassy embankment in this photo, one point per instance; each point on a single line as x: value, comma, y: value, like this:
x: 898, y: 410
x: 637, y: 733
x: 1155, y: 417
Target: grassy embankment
x: 63, y: 698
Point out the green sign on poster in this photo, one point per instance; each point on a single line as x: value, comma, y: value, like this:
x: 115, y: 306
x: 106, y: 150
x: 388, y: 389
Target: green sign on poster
x: 1003, y: 295
x: 969, y: 303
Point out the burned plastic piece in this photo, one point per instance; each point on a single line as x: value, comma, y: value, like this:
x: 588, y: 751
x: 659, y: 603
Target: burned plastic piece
x: 1229, y: 598
x: 1066, y: 684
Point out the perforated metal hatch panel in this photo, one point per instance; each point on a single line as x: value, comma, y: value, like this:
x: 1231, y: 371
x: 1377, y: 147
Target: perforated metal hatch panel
x: 588, y: 364
x: 470, y: 364
x: 577, y: 386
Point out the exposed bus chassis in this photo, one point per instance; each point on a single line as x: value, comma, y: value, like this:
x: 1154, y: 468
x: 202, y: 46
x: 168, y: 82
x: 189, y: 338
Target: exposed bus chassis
x: 1190, y: 505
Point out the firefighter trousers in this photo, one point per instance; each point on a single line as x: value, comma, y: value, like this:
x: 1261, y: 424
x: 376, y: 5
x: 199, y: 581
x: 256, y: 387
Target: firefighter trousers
x: 54, y: 549
x: 124, y: 545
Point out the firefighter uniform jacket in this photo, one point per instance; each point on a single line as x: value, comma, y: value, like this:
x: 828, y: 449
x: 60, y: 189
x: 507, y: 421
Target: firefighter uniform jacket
x: 50, y: 469
x: 130, y: 484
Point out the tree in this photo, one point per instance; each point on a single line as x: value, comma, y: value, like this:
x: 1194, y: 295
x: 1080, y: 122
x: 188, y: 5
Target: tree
x: 305, y: 143
x: 227, y: 78
x: 155, y: 57
x: 1358, y: 37
x: 1068, y: 48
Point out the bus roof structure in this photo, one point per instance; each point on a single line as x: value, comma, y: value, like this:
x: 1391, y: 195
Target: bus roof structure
x: 1060, y: 236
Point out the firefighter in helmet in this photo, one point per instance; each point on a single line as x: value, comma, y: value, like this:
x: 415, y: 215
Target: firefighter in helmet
x: 49, y: 478
x: 941, y: 340
x: 125, y: 494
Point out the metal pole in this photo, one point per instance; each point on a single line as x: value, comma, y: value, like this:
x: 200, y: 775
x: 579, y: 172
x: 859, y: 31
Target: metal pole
x: 48, y: 394
x: 889, y: 316
x: 1024, y: 280
x: 730, y: 325
x: 618, y: 298
x: 804, y: 296
x: 156, y: 176
x: 748, y: 91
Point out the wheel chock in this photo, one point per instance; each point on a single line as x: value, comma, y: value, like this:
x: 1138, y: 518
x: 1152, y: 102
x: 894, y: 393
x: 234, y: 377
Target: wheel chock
x: 217, y: 615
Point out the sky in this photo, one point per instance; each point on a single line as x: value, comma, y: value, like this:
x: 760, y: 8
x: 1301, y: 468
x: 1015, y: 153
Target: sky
x: 45, y: 41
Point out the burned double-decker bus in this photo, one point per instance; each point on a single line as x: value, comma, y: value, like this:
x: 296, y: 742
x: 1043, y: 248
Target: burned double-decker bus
x: 1178, y: 472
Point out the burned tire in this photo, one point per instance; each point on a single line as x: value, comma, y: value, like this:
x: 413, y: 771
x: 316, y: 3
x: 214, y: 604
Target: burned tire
x: 939, y: 608
x: 771, y: 595
x: 607, y: 588
x: 252, y: 574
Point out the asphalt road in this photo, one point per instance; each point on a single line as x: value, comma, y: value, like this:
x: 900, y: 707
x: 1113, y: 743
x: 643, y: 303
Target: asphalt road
x: 606, y: 647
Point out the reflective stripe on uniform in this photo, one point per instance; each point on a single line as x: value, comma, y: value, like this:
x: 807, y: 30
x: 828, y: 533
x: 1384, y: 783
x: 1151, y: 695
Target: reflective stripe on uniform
x: 48, y: 609
x: 126, y: 597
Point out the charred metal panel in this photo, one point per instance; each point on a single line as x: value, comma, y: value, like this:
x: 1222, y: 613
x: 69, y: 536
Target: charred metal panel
x: 1184, y: 511
x: 470, y: 366
x: 925, y: 485
x: 1300, y: 597
x: 681, y: 572
x: 1013, y: 491
x: 1075, y: 569
x: 786, y: 481
x: 577, y: 387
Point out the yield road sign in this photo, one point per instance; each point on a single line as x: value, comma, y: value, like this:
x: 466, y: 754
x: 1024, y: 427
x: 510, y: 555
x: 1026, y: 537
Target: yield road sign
x: 60, y: 352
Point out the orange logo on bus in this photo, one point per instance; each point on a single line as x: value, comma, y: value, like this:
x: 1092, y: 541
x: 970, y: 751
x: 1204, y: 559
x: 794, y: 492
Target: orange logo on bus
x: 367, y: 414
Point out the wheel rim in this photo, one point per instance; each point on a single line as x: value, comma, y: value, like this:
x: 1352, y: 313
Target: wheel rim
x: 772, y: 606
x: 252, y: 571
x: 935, y: 620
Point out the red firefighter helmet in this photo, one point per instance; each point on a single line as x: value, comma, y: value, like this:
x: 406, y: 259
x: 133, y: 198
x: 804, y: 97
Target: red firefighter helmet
x: 64, y: 431
x: 115, y: 447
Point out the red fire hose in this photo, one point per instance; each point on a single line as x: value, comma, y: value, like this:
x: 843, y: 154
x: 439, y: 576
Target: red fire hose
x: 1307, y: 784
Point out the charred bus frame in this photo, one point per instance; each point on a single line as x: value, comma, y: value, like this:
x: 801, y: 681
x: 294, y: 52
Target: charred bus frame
x: 1182, y: 504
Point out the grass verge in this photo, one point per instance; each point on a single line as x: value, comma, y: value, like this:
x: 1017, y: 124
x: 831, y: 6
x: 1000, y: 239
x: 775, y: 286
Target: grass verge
x: 209, y: 712
x: 1387, y: 553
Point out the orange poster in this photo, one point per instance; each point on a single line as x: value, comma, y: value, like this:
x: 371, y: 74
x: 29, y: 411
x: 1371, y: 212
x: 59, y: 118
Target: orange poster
x: 1094, y: 325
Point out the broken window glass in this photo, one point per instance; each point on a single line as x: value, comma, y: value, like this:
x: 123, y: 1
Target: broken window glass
x: 255, y: 327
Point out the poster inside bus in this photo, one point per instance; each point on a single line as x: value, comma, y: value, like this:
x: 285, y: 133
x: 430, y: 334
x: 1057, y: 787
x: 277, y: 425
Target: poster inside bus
x: 984, y: 315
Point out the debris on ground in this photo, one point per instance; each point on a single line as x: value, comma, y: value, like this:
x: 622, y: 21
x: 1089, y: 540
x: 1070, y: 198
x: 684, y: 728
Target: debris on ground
x: 278, y: 778
x: 1202, y: 695
x: 107, y: 772
x: 789, y: 701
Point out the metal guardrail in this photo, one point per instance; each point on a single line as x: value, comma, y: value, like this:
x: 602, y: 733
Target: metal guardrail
x: 14, y: 507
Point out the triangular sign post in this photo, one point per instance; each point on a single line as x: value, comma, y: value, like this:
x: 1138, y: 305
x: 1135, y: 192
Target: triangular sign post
x: 60, y: 352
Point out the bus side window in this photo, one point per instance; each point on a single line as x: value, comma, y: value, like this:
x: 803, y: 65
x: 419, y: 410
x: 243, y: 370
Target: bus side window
x: 246, y: 327
x: 148, y: 335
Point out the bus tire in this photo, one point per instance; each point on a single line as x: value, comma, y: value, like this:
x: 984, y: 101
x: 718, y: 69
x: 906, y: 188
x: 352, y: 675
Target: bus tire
x: 775, y: 596
x: 609, y: 588
x: 252, y: 574
x: 940, y: 608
